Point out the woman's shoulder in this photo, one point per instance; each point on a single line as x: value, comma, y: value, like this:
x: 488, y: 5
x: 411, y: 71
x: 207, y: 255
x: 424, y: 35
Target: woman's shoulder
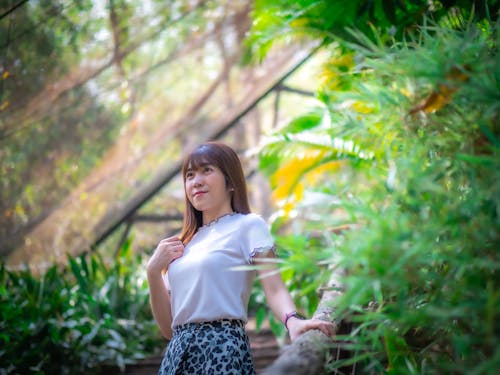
x: 253, y: 220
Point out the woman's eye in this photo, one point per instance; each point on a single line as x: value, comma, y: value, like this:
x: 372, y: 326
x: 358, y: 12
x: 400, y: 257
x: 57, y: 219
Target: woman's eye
x: 208, y: 169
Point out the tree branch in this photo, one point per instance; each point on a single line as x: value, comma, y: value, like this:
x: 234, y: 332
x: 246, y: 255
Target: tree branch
x: 308, y: 354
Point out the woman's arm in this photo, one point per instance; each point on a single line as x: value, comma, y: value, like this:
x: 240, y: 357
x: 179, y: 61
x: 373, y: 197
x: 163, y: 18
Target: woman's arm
x: 159, y: 300
x: 281, y: 303
x: 168, y: 250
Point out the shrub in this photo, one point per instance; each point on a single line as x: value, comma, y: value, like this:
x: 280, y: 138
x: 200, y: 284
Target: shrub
x: 76, y: 318
x: 406, y: 146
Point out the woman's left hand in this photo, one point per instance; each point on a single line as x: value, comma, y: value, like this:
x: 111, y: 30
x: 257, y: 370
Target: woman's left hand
x: 297, y: 327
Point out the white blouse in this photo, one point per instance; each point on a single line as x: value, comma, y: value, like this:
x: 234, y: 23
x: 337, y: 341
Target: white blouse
x: 204, y: 283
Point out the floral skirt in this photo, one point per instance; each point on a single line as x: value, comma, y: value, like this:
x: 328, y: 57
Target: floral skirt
x: 218, y: 347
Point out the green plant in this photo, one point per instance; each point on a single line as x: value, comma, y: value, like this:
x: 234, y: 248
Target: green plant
x: 81, y: 317
x: 421, y: 183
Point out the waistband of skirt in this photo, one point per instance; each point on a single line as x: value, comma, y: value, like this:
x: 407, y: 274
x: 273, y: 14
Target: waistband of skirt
x: 211, y: 324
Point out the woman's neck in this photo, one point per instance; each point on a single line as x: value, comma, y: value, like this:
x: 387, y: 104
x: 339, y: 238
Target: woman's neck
x: 210, y: 217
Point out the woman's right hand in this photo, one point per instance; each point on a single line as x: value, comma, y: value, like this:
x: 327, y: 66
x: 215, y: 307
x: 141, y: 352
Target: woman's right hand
x: 168, y: 250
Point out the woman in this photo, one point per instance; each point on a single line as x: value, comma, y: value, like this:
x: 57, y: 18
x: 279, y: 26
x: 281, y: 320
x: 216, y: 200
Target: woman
x: 198, y: 297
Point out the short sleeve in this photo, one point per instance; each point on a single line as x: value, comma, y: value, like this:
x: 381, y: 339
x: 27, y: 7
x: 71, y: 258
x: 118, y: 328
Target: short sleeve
x: 258, y: 239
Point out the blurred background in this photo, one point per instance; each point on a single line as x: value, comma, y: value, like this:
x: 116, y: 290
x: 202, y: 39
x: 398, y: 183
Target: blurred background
x: 99, y: 102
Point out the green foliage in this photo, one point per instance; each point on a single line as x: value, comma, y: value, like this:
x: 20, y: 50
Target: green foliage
x: 72, y: 320
x: 278, y: 20
x: 422, y: 265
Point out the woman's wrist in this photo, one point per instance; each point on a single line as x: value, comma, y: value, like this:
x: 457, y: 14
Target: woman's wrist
x: 154, y: 270
x: 291, y: 315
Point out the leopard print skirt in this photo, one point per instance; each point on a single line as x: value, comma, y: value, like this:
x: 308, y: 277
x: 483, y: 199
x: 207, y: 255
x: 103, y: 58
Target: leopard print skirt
x: 220, y: 347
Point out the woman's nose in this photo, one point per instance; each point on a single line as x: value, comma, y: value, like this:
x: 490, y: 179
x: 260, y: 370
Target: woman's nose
x: 198, y: 179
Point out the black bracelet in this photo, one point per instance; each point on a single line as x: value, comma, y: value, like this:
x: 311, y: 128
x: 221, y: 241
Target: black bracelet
x: 294, y: 314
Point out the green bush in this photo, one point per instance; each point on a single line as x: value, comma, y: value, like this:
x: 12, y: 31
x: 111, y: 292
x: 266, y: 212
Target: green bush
x: 81, y: 317
x: 426, y: 256
x: 406, y: 146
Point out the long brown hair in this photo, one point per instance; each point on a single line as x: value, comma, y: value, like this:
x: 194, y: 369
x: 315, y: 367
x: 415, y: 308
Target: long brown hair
x: 225, y: 158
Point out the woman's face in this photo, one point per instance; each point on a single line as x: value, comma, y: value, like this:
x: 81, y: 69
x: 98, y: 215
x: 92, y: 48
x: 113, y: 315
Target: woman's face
x: 206, y: 190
